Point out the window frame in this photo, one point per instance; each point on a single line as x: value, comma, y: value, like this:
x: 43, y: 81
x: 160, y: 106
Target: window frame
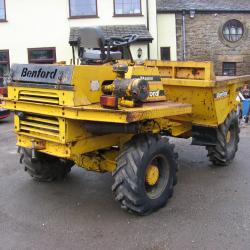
x: 82, y: 16
x: 5, y: 17
x: 223, y: 68
x: 5, y: 62
x: 37, y: 61
x: 228, y: 24
x: 127, y: 15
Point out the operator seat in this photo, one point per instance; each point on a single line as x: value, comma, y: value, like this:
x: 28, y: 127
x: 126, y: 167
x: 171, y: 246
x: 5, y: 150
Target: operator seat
x: 94, y: 47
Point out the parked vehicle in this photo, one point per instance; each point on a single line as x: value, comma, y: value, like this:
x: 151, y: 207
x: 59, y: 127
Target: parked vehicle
x: 109, y: 115
x: 4, y: 113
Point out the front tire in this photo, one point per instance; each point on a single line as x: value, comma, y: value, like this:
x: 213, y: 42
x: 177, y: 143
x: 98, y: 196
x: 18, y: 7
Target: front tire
x: 226, y: 142
x: 145, y: 174
x: 45, y: 168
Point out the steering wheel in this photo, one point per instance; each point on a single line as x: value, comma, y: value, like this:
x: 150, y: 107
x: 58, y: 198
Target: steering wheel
x: 125, y: 40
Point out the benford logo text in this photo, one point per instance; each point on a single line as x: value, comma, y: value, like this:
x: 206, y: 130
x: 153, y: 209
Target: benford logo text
x: 40, y: 73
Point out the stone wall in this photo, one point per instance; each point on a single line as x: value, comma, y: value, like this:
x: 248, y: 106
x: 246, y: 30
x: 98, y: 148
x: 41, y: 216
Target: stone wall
x: 205, y: 41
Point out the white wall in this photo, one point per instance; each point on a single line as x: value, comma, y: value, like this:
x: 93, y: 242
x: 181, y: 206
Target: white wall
x: 167, y: 34
x: 34, y: 24
x: 153, y: 29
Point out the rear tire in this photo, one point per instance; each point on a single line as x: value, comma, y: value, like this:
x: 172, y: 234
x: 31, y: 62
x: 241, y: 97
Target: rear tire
x: 227, y: 142
x: 133, y: 187
x: 45, y: 168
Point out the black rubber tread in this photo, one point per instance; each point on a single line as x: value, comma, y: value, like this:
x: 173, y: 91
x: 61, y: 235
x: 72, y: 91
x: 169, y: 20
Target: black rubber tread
x: 129, y: 176
x: 223, y: 154
x: 45, y: 168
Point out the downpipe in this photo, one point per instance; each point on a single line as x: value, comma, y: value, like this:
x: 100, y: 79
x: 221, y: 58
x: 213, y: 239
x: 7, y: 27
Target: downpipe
x: 148, y: 47
x: 184, y: 37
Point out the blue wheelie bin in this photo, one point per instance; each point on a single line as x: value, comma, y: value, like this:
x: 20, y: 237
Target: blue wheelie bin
x: 245, y: 108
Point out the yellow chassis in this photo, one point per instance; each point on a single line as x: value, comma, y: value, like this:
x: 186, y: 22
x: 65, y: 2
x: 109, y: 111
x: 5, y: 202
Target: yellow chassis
x: 55, y: 119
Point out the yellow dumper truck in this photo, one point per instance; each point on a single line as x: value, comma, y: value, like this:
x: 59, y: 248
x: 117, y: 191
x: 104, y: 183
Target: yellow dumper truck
x: 112, y: 115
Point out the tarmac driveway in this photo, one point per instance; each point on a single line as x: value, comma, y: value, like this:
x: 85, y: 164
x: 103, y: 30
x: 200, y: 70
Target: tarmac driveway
x: 210, y: 208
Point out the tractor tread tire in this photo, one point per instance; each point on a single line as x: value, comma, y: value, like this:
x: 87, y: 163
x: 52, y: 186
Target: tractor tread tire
x: 220, y: 155
x: 45, y: 168
x: 126, y: 187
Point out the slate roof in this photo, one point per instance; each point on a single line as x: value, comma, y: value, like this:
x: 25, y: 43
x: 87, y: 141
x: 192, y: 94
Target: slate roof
x: 116, y: 30
x: 203, y: 5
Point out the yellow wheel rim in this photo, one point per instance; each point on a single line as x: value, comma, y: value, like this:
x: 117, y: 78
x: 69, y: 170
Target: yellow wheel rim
x: 152, y: 175
x: 228, y: 137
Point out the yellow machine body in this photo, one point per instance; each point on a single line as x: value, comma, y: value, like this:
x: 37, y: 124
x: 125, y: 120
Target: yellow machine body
x: 70, y: 123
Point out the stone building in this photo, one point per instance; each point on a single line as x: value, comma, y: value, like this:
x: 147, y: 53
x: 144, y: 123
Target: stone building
x: 216, y: 30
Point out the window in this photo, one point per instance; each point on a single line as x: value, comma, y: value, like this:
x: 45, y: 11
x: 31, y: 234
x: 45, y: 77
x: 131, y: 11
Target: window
x: 4, y: 65
x: 165, y: 53
x: 127, y: 7
x: 229, y: 68
x: 82, y: 8
x: 2, y: 10
x: 233, y: 30
x: 42, y: 55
